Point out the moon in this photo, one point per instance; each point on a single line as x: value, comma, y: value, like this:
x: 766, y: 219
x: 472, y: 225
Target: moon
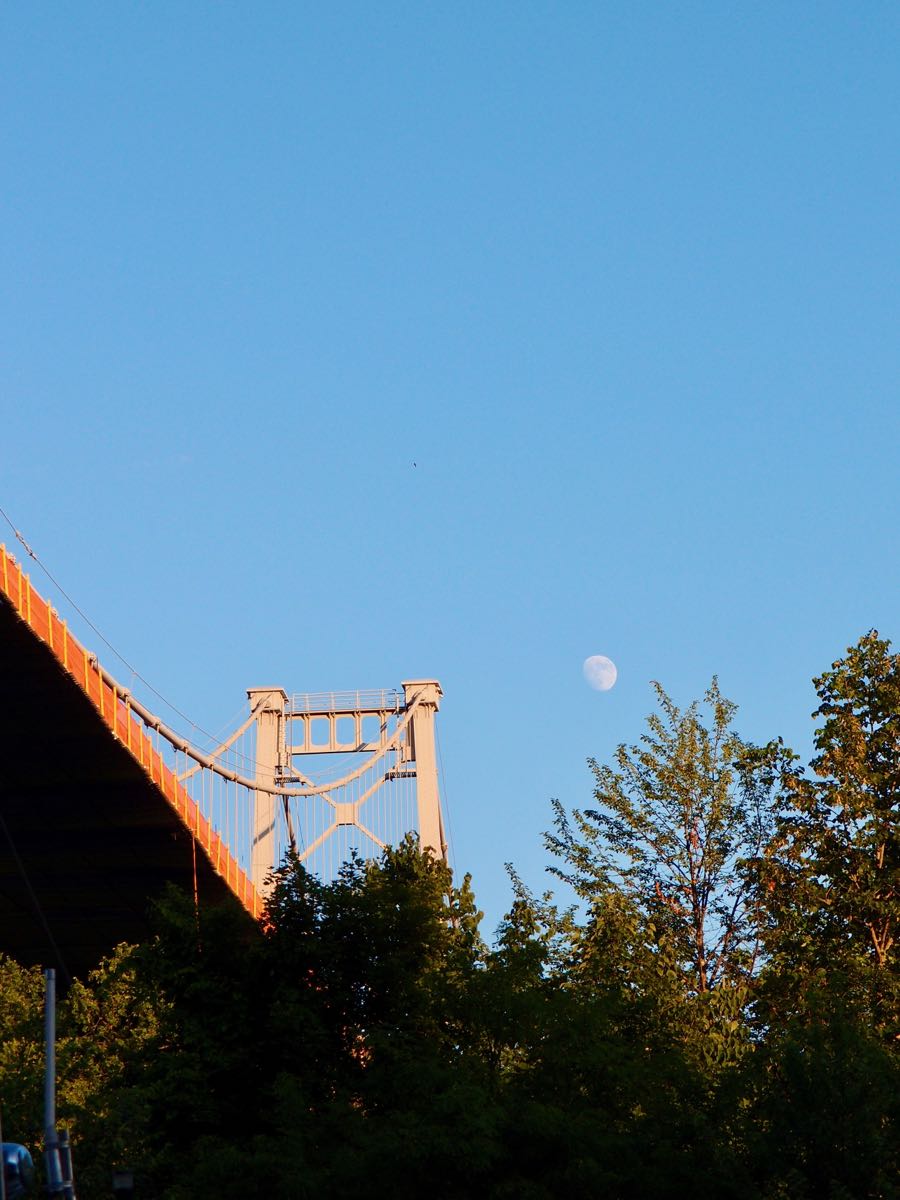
x: 600, y: 672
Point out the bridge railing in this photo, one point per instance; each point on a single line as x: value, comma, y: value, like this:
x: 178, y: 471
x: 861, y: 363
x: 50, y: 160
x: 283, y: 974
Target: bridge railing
x: 373, y: 701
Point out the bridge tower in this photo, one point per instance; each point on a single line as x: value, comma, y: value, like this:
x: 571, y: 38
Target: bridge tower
x: 383, y: 743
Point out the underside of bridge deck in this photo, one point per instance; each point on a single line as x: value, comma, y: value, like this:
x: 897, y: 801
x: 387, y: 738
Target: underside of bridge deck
x: 86, y: 840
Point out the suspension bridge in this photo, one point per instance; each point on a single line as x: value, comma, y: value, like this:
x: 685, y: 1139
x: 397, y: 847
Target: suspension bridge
x: 102, y: 803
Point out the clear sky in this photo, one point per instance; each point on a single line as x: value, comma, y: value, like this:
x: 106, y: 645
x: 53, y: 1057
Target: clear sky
x: 342, y: 344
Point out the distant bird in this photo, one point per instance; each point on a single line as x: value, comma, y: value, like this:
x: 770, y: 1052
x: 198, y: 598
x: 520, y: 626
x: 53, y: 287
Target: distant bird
x: 414, y: 464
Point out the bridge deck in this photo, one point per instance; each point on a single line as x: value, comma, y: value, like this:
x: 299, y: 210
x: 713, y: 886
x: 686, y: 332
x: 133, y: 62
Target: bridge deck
x: 93, y: 825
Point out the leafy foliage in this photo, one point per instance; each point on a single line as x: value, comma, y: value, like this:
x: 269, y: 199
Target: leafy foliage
x: 829, y: 880
x: 21, y: 1050
x: 676, y: 816
x: 364, y: 1041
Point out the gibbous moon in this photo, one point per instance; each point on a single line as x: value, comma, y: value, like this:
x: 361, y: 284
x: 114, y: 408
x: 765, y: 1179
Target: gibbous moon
x: 600, y: 672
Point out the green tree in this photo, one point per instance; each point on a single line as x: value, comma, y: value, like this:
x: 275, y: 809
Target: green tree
x: 378, y: 967
x: 659, y: 858
x: 598, y: 1097
x: 109, y: 1028
x: 816, y: 1109
x: 829, y: 879
x: 21, y: 1052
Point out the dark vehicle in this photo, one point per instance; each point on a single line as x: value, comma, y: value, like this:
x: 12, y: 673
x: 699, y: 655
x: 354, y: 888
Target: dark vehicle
x: 18, y: 1170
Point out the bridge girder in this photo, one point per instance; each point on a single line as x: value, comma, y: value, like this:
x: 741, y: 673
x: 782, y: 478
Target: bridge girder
x: 86, y: 839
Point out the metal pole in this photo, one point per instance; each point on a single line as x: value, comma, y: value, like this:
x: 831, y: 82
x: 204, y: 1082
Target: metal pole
x: 65, y: 1158
x: 50, y: 1048
x: 51, y: 1147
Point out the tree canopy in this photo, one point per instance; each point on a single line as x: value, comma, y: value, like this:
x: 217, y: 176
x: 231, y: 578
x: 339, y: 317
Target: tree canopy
x: 717, y: 1010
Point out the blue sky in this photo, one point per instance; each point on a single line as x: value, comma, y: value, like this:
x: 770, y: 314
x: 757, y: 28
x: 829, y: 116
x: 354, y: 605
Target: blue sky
x: 621, y: 280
